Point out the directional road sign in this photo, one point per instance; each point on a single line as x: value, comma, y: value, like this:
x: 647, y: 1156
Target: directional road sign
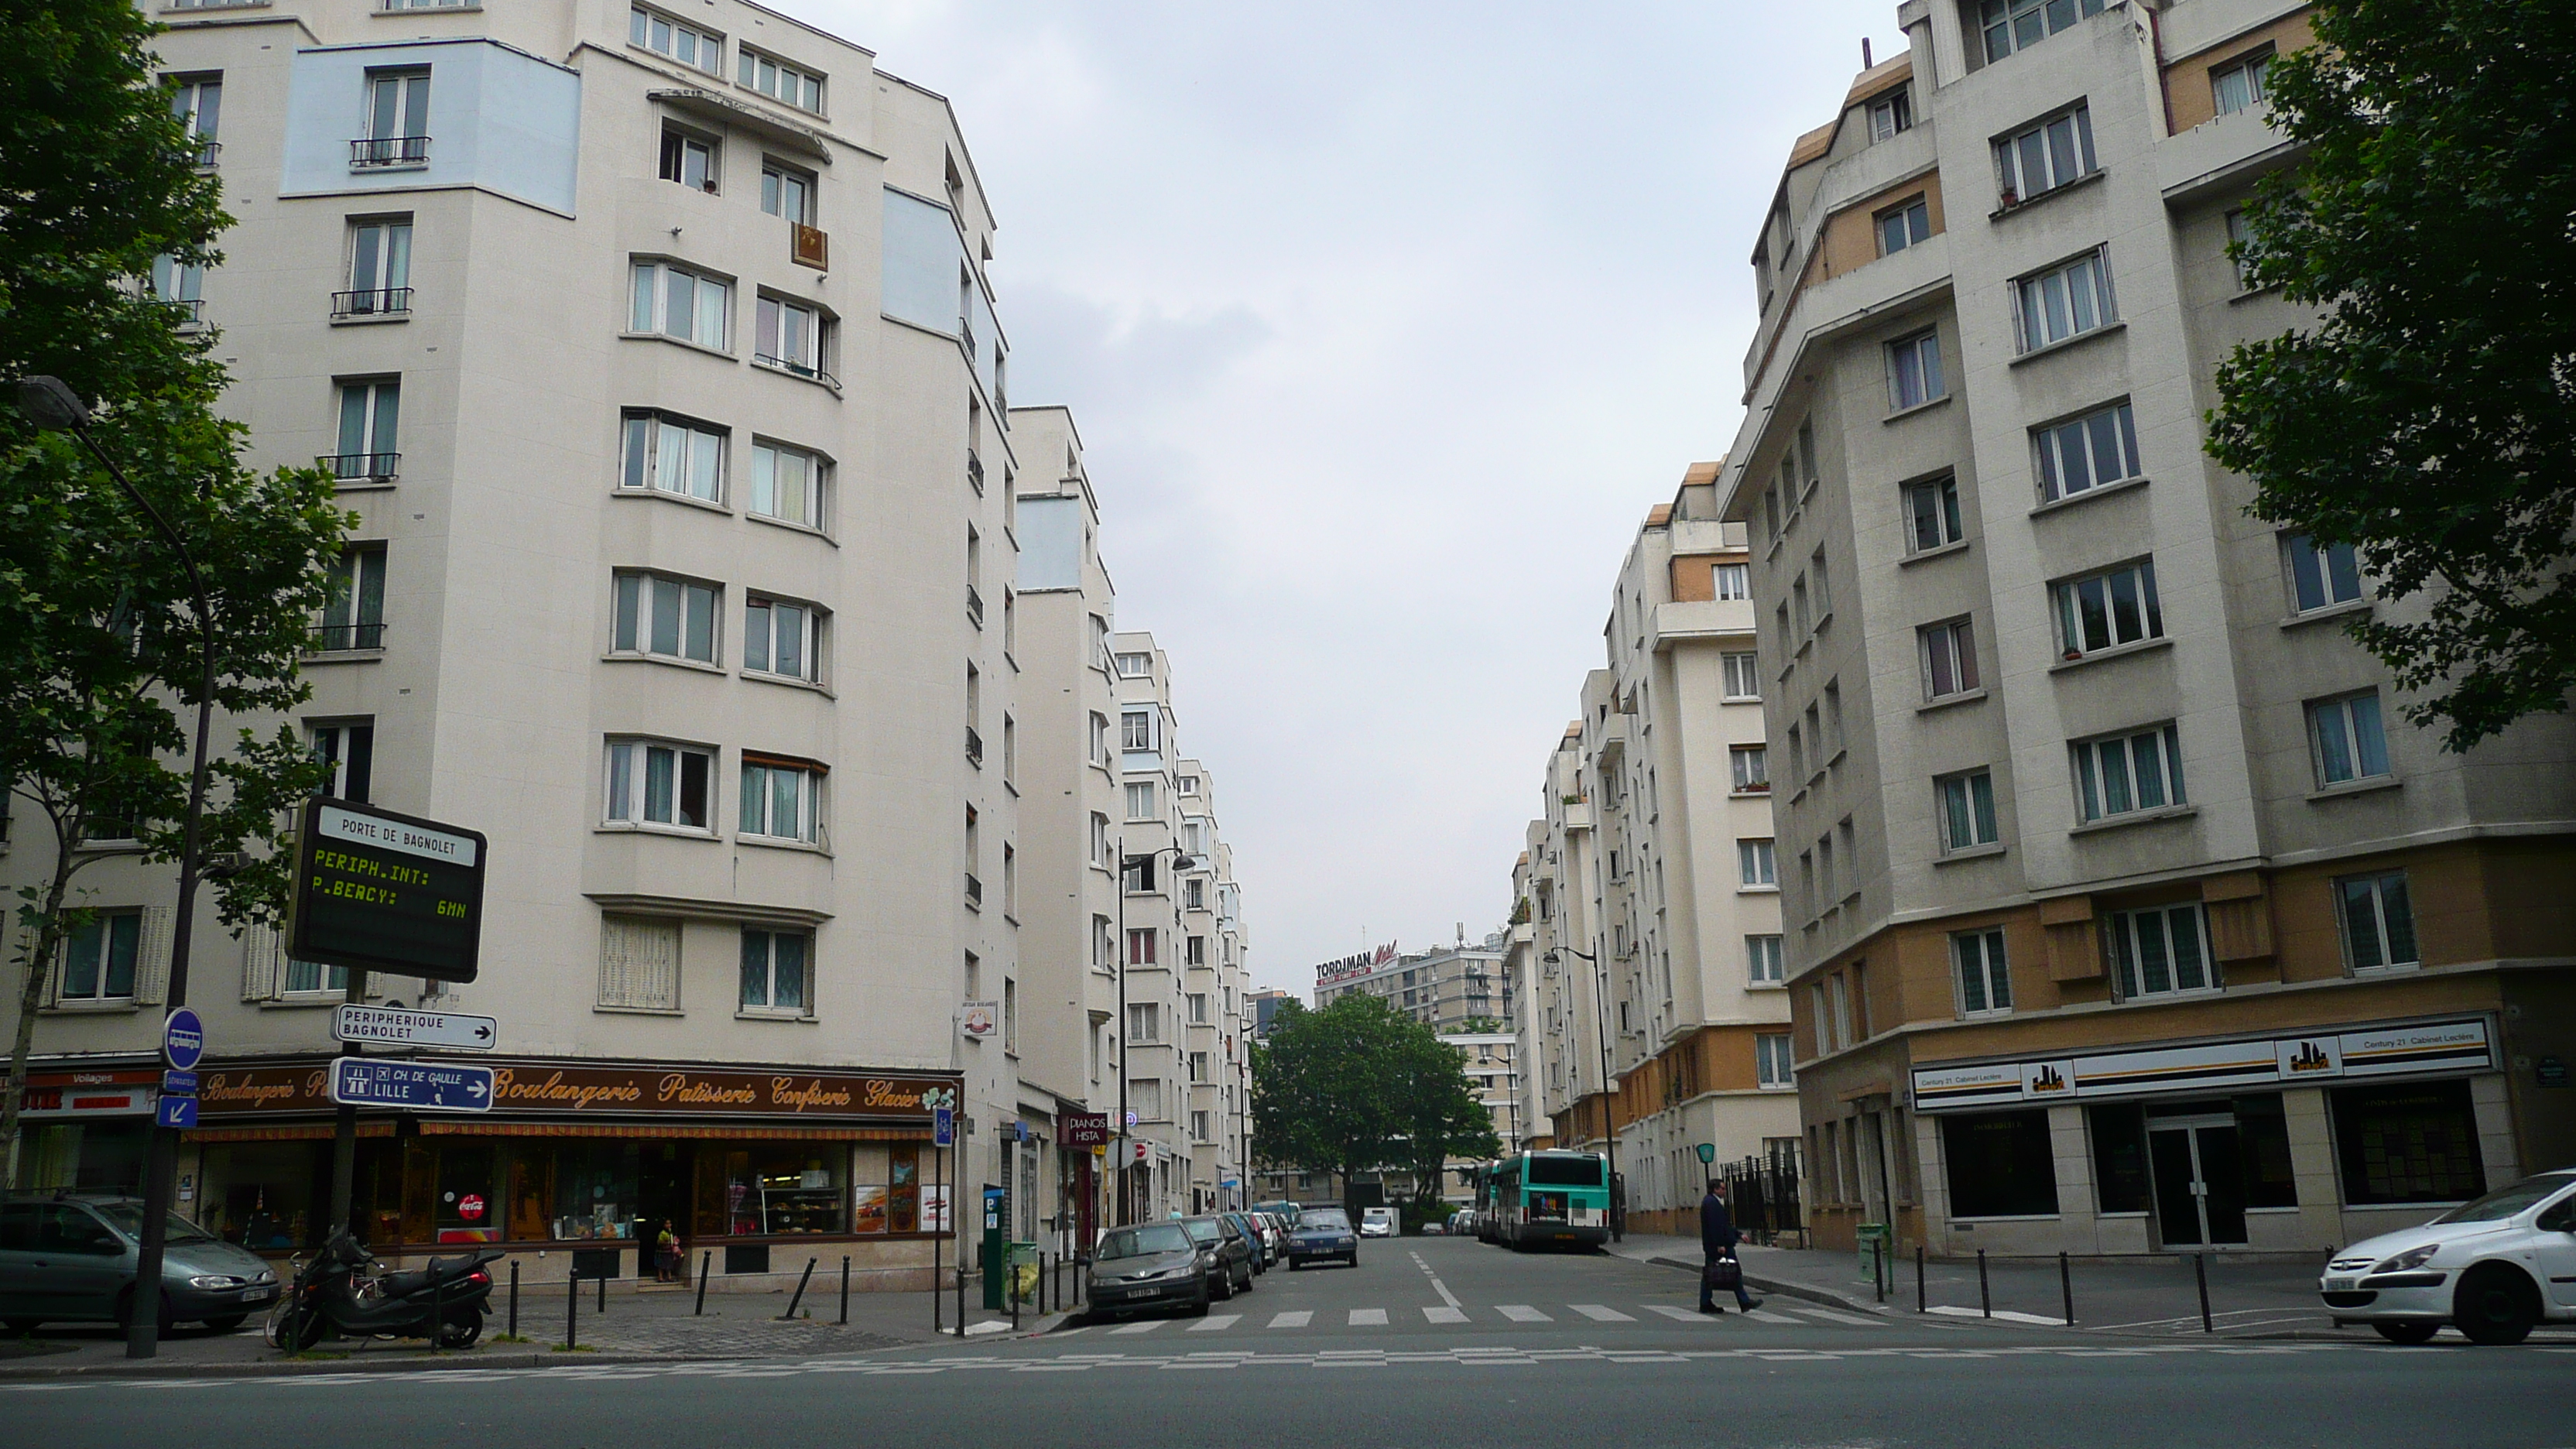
x: 378, y: 891
x: 176, y: 1112
x: 422, y: 1086
x: 415, y: 1028
x: 183, y: 1039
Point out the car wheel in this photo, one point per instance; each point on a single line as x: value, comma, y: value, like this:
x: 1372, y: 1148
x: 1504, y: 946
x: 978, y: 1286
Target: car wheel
x: 1294, y: 1265
x: 2495, y: 1306
x: 227, y: 1322
x: 23, y: 1325
x: 2409, y: 1334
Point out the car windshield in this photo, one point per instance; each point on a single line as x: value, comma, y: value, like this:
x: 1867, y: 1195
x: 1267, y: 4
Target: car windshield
x: 1328, y: 1220
x: 128, y: 1219
x: 1205, y: 1230
x: 2504, y: 1202
x: 1144, y: 1242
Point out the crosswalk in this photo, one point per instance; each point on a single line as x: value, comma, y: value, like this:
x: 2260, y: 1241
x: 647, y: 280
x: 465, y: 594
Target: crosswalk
x: 1776, y: 1313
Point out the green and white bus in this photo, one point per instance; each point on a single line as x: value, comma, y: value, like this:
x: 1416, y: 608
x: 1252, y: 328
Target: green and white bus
x: 1536, y: 1199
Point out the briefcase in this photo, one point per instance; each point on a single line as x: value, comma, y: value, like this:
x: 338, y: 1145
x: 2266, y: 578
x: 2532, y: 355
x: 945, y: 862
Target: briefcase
x: 1723, y: 1275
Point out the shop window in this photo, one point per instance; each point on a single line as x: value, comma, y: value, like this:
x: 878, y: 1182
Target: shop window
x: 2001, y: 1165
x: 790, y: 1188
x: 2263, y: 1143
x: 264, y: 1196
x: 2120, y: 1180
x: 2412, y: 1144
x: 595, y: 1190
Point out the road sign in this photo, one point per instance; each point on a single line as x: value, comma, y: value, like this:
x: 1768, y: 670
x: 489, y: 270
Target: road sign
x: 943, y: 1127
x: 1707, y: 1151
x: 183, y: 1038
x: 415, y: 1028
x: 424, y: 1086
x: 1131, y: 1119
x: 376, y: 891
x: 176, y: 1112
x: 178, y: 1084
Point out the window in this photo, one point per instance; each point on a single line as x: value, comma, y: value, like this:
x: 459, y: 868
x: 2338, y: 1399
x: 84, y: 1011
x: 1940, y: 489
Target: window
x: 2083, y: 453
x: 1136, y: 729
x: 787, y: 484
x: 2320, y: 578
x: 1194, y: 893
x: 684, y: 43
x: 1820, y: 886
x: 1140, y: 800
x: 1104, y: 941
x: 1741, y: 681
x: 2107, y: 610
x: 2240, y: 240
x: 1199, y: 1122
x: 1138, y: 874
x: 2159, y: 952
x: 2238, y: 85
x: 1145, y: 1020
x: 681, y: 303
x: 779, y: 81
x: 689, y: 160
x: 1932, y: 514
x: 787, y: 192
x: 1824, y: 591
x: 1904, y: 224
x: 783, y: 639
x: 1140, y: 946
x: 2065, y: 301
x: 2012, y: 25
x: 2344, y: 739
x: 303, y: 976
x: 1762, y: 960
x: 1145, y: 1099
x: 774, y: 972
x: 1198, y: 1066
x: 1771, y: 1060
x: 199, y: 105
x: 2416, y: 1143
x: 397, y: 120
x: 2378, y: 922
x: 1099, y: 739
x: 1730, y: 581
x: 1752, y: 771
x: 1890, y: 114
x: 674, y: 455
x: 180, y: 286
x: 639, y: 963
x: 2120, y: 774
x: 1914, y: 370
x: 1822, y: 1016
x: 1949, y: 659
x: 2000, y: 1164
x: 2034, y: 162
x: 354, y: 618
x: 1754, y: 865
x: 1189, y: 785
x: 665, y: 616
x: 370, y: 429
x: 100, y: 956
x: 1977, y: 962
x: 652, y: 783
x: 792, y: 337
x: 1967, y: 810
x: 1839, y: 986
x: 350, y: 750
x: 1199, y: 1016
x: 1099, y: 839
x: 1135, y: 665
x: 1194, y: 953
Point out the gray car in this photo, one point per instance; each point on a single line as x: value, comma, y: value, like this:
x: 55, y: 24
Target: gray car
x: 71, y: 1258
x: 1152, y: 1265
x: 1233, y: 1251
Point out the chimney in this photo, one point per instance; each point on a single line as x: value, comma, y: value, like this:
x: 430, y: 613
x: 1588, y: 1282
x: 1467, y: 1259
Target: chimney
x: 1864, y: 53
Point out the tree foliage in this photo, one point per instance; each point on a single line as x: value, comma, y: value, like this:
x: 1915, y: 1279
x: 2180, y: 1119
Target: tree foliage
x: 1359, y: 1087
x: 2429, y: 418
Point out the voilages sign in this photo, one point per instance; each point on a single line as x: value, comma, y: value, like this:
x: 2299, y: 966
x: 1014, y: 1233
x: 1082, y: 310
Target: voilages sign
x: 377, y: 891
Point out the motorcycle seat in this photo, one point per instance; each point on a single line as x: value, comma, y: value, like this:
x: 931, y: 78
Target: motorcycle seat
x: 439, y: 1270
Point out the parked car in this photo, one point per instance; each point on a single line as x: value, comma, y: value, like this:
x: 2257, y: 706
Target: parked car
x: 1252, y: 1238
x: 1462, y: 1222
x: 1323, y: 1233
x: 1274, y: 1235
x: 71, y: 1258
x: 1377, y: 1222
x: 2493, y: 1268
x: 1231, y: 1250
x: 1283, y: 1210
x: 1152, y: 1265
x: 1431, y: 1228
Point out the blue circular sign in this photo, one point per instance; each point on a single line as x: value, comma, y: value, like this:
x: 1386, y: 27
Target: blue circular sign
x: 183, y: 1039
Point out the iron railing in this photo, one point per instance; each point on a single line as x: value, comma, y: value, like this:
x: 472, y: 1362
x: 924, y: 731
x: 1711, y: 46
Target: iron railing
x: 974, y: 892
x: 974, y: 606
x: 794, y: 368
x: 369, y: 466
x: 974, y: 747
x: 1762, y: 1194
x: 369, y: 151
x: 975, y: 471
x: 334, y: 638
x: 372, y: 302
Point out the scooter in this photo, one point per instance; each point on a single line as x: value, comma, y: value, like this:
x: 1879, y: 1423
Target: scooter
x: 334, y: 1294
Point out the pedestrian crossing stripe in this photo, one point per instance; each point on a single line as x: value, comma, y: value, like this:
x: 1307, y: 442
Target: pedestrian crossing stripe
x: 1601, y: 1313
x: 1522, y: 1313
x: 1216, y: 1322
x: 1368, y: 1318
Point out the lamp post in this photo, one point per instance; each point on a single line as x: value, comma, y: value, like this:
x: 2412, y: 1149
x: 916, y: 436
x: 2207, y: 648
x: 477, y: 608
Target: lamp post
x: 1609, y: 1122
x: 51, y: 405
x: 1180, y: 861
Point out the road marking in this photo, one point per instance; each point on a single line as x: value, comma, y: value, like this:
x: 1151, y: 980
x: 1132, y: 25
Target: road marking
x: 1368, y: 1318
x: 1600, y: 1313
x: 1216, y: 1322
x: 1682, y: 1315
x: 1522, y: 1313
x: 2005, y: 1314
x: 1770, y: 1317
x: 1438, y: 1287
x: 1831, y: 1316
x: 1445, y: 1315
x: 1298, y: 1319
x: 1144, y: 1326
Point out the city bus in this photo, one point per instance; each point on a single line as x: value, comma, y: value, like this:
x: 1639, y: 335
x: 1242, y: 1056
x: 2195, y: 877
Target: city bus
x: 1535, y: 1199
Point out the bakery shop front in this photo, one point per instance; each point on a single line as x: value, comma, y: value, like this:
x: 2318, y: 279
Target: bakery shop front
x: 592, y: 1169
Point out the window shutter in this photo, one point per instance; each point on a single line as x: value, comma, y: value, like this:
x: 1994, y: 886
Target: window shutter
x: 262, y: 958
x: 614, y: 989
x: 639, y: 963
x: 152, y: 957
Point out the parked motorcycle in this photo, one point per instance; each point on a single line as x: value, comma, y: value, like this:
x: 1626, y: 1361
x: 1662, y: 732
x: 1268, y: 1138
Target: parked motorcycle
x: 334, y: 1292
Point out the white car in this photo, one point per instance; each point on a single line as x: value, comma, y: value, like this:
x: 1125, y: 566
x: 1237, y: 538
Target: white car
x: 2492, y: 1268
x: 1377, y: 1222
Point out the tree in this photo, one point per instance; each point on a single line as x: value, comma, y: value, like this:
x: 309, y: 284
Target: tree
x: 100, y: 635
x: 1359, y: 1087
x: 2429, y: 419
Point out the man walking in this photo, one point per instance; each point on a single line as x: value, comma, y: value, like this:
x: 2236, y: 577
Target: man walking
x: 1717, y: 1240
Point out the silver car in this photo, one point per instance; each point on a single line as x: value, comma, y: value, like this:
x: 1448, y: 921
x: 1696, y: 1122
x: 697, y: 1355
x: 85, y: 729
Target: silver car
x: 71, y: 1258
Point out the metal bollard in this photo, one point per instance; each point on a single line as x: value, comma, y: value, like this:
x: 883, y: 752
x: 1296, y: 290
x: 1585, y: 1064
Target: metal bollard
x: 2066, y: 1287
x: 706, y: 1265
x: 1985, y: 1299
x: 437, y: 1306
x: 603, y: 1294
x: 1878, y: 1268
x: 2200, y: 1273
x: 961, y: 1300
x: 1919, y: 1299
x: 572, y: 1312
x: 845, y: 1290
x: 800, y: 1290
x: 514, y: 1297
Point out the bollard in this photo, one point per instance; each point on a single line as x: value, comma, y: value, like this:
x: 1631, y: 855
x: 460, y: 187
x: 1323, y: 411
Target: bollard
x: 1011, y: 1288
x: 2066, y: 1287
x: 603, y: 1293
x: 706, y: 1264
x: 800, y: 1290
x: 961, y: 1300
x: 514, y: 1297
x: 1985, y: 1299
x: 2200, y: 1273
x: 437, y: 1306
x: 572, y: 1312
x: 1878, y: 1268
x: 845, y: 1290
x: 1919, y: 1299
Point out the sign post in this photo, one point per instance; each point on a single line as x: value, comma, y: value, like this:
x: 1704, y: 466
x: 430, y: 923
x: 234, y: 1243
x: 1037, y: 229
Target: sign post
x: 395, y: 1026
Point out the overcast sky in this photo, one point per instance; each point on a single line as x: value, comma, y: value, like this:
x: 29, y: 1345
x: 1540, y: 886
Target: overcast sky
x: 1384, y: 325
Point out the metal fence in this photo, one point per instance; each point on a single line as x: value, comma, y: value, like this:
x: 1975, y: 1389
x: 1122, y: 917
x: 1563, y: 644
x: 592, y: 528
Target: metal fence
x: 1762, y: 1195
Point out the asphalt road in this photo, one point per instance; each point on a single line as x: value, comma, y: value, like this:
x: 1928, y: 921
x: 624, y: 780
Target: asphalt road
x: 1426, y: 1342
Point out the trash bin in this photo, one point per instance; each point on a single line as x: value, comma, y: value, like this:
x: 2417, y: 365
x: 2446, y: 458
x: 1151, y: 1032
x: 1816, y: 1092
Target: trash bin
x: 1877, y: 1248
x: 1024, y: 1271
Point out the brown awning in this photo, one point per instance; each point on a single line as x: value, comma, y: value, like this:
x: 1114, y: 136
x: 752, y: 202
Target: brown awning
x: 299, y: 1132
x: 461, y: 1127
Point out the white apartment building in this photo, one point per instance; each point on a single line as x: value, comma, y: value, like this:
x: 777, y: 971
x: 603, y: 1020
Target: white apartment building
x: 654, y: 346
x: 1447, y: 988
x: 1216, y: 1065
x: 2123, y: 910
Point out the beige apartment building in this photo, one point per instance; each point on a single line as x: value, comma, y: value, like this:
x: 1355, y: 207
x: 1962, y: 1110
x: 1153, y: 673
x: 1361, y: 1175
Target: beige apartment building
x: 1447, y: 988
x: 1651, y: 878
x: 2124, y: 912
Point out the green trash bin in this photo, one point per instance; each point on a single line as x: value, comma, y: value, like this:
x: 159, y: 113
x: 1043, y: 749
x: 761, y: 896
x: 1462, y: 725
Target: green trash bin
x: 1877, y: 1249
x: 1024, y: 1273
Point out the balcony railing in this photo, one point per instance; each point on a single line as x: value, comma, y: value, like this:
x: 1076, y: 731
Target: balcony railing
x: 975, y: 471
x: 974, y: 606
x: 794, y: 368
x: 208, y: 150
x: 184, y: 311
x: 372, y: 151
x: 361, y: 467
x: 334, y: 638
x: 974, y: 892
x: 372, y: 302
x: 974, y: 747
x: 1754, y: 787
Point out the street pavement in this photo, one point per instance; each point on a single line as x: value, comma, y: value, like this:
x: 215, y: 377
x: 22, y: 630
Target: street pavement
x: 1427, y: 1341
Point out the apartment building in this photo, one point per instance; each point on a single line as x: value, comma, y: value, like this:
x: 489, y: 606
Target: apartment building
x: 1216, y: 1064
x: 655, y: 351
x: 1453, y: 988
x: 1678, y: 939
x: 2124, y: 912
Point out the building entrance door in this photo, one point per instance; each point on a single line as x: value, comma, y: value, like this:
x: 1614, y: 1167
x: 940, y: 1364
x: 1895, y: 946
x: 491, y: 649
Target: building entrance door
x: 2199, y: 1182
x: 662, y: 1178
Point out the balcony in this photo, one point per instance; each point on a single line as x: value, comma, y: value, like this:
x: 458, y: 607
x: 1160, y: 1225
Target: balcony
x: 361, y: 467
x: 378, y: 153
x: 371, y: 302
x: 794, y: 368
x: 209, y: 150
x: 974, y: 748
x: 974, y: 892
x: 975, y: 472
x: 974, y: 606
x: 340, y: 638
x: 184, y: 311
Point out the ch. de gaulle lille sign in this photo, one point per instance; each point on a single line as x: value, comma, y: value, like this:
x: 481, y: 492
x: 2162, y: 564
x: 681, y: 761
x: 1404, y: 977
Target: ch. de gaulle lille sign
x: 376, y: 891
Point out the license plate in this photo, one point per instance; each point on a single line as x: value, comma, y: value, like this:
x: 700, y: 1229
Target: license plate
x: 2339, y: 1285
x: 258, y: 1295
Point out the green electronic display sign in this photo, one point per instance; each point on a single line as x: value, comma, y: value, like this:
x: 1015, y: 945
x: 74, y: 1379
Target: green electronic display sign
x: 376, y: 891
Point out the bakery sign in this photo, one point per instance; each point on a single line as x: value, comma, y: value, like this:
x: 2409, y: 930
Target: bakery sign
x: 548, y: 1089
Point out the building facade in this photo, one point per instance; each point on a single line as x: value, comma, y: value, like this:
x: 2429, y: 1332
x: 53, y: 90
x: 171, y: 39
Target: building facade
x: 2123, y: 910
x: 1447, y: 988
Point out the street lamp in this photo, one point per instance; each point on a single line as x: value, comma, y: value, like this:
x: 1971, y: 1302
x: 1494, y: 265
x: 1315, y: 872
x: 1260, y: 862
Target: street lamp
x: 51, y: 405
x: 1181, y: 860
x: 1609, y: 1122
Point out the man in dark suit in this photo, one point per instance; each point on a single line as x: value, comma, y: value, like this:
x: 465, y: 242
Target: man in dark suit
x: 1717, y: 1239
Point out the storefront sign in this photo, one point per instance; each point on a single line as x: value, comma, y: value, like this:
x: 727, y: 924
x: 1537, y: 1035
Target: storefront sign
x: 1938, y: 1087
x: 2210, y: 1067
x: 1083, y: 1129
x: 980, y: 1019
x: 376, y: 891
x: 1333, y: 973
x: 88, y: 1094
x: 545, y: 1089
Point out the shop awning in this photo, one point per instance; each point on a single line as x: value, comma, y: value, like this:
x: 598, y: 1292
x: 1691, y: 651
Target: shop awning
x: 288, y: 1132
x: 471, y: 1127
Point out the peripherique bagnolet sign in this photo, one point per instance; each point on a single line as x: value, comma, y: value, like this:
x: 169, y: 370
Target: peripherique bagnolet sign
x: 378, y: 891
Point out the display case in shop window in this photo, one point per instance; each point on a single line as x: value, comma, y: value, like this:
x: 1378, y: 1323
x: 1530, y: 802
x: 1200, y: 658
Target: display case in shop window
x: 766, y: 1192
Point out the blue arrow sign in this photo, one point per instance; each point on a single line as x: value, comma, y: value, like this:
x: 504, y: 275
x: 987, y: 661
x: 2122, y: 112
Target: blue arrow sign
x: 176, y: 1112
x: 422, y: 1086
x: 183, y: 1039
x: 943, y: 1127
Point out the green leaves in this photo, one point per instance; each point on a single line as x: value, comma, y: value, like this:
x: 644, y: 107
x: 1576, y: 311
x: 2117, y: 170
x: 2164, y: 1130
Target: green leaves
x: 1356, y: 1087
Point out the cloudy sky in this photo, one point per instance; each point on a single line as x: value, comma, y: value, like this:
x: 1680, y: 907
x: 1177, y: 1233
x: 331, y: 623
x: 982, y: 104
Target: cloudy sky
x: 1384, y: 325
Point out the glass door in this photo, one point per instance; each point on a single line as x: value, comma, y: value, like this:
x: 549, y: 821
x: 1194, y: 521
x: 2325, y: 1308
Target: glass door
x: 2199, y: 1179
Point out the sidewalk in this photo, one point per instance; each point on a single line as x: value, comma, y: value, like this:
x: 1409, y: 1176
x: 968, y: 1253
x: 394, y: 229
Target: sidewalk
x: 638, y: 1326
